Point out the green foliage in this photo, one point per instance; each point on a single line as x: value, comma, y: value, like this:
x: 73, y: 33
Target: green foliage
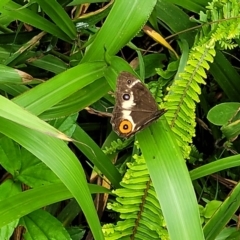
x: 183, y: 93
x: 59, y: 57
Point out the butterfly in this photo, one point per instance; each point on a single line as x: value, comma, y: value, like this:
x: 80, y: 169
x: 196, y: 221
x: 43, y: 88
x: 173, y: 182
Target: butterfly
x: 135, y: 107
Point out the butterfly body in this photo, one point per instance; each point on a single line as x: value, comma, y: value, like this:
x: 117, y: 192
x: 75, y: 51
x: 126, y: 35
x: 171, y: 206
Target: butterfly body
x: 135, y: 107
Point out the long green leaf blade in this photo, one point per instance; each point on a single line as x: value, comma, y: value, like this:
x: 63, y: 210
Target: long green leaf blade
x: 171, y: 181
x: 58, y: 157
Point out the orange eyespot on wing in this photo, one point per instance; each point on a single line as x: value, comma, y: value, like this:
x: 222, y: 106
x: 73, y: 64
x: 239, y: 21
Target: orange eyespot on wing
x: 125, y: 126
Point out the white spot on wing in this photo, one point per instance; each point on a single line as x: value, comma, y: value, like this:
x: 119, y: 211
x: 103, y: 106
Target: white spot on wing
x: 134, y: 83
x: 126, y: 114
x: 128, y: 104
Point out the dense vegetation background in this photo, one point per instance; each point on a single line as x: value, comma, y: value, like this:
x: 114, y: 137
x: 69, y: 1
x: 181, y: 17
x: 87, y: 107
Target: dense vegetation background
x: 65, y: 174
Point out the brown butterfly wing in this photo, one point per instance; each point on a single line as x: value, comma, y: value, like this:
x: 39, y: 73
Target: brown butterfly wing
x: 146, y: 109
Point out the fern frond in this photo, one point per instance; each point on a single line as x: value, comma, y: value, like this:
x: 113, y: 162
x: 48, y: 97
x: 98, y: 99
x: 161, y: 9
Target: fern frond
x: 156, y: 89
x: 117, y: 146
x: 138, y: 207
x: 184, y: 93
x: 226, y: 13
